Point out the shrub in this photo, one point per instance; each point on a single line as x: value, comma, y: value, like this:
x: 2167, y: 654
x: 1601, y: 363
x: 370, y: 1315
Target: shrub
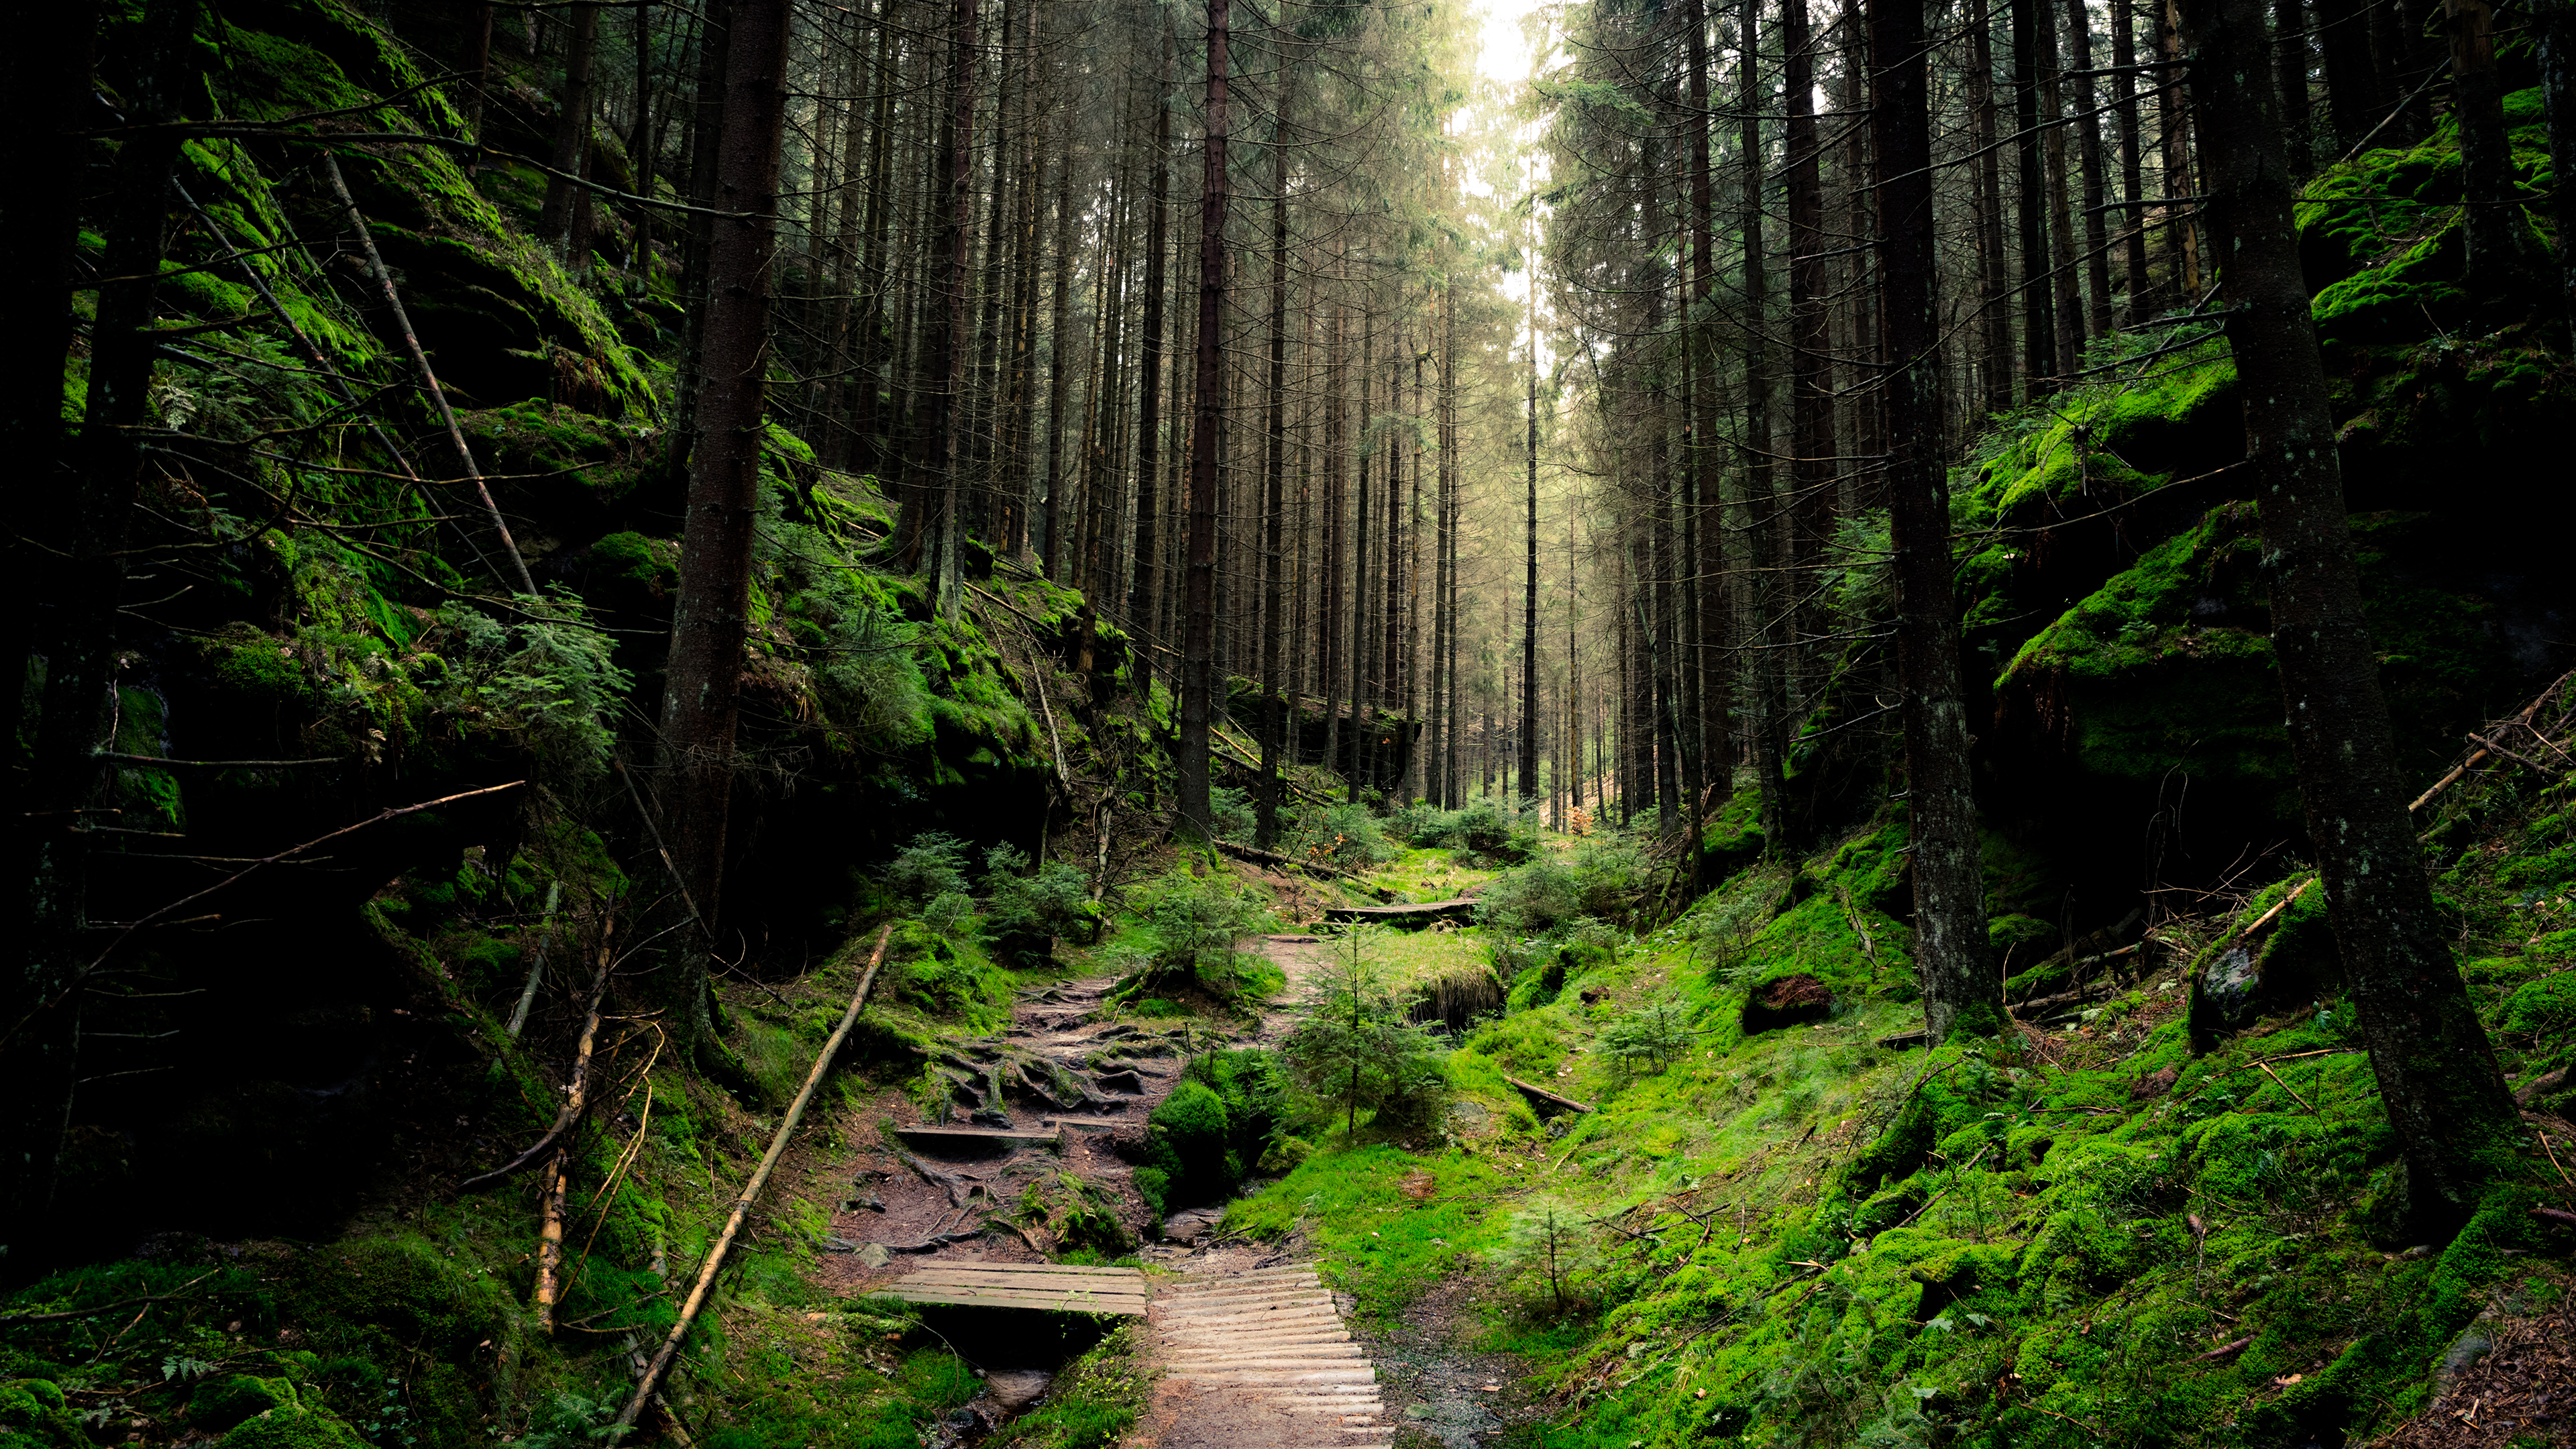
x: 1344, y: 834
x: 1230, y: 813
x: 1650, y: 1038
x: 1055, y: 902
x: 1551, y: 1241
x: 948, y: 913
x: 932, y: 865
x: 1354, y: 1049
x: 1195, y: 922
x: 1187, y: 1141
x: 548, y: 677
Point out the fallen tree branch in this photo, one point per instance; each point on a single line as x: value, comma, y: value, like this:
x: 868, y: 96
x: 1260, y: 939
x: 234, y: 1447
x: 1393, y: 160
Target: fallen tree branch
x: 429, y: 380
x: 576, y: 1095
x: 2223, y: 1350
x: 1269, y: 857
x: 2473, y: 761
x: 171, y: 910
x: 71, y: 1313
x: 550, y: 1237
x: 697, y: 1300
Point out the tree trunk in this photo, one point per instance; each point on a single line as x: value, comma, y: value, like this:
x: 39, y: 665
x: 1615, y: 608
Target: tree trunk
x: 44, y: 95
x: 1994, y: 302
x: 572, y: 131
x: 700, y: 699
x: 2066, y: 304
x: 706, y: 135
x: 1949, y: 888
x: 74, y: 630
x: 2438, y: 1079
x: 1059, y: 379
x: 2097, y: 226
x: 1274, y: 719
x: 2495, y: 228
x: 1198, y: 642
x: 1767, y: 523
x: 1811, y: 403
x: 2353, y: 92
x: 2556, y: 22
x: 2290, y: 70
x: 1141, y: 600
x: 2038, y: 317
x: 2182, y: 235
x: 1529, y: 588
x: 2133, y: 264
x: 949, y: 340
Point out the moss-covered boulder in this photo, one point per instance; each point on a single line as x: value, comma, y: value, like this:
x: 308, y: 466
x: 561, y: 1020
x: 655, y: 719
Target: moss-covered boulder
x: 35, y: 1412
x: 294, y: 1427
x: 219, y: 1404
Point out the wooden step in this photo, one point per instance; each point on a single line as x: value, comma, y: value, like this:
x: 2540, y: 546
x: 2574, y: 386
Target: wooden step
x: 976, y: 1141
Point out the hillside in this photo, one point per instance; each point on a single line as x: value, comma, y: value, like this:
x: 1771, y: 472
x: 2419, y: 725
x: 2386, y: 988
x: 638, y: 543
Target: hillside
x: 384, y: 1073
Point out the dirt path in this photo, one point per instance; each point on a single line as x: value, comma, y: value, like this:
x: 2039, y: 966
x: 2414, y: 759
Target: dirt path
x: 1253, y: 1350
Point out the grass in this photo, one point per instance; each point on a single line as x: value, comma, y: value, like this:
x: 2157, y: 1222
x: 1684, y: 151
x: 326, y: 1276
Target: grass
x: 1801, y: 1236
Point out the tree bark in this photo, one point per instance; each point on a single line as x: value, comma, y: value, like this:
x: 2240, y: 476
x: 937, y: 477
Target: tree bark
x: 1274, y: 719
x: 2124, y: 109
x: 706, y: 137
x: 1811, y: 403
x: 1951, y: 955
x: 2495, y: 229
x: 949, y: 341
x: 1143, y: 595
x: 2290, y: 70
x: 2438, y: 1079
x: 1199, y: 638
x: 75, y: 630
x: 2038, y: 315
x: 1767, y: 524
x: 1994, y: 302
x: 2097, y: 233
x: 2556, y: 22
x: 700, y: 699
x: 572, y: 130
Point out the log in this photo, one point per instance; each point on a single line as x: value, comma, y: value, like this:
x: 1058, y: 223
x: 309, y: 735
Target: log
x: 1567, y: 1104
x: 1312, y: 867
x: 1418, y: 914
x: 550, y: 1240
x: 577, y: 1095
x: 714, y: 1264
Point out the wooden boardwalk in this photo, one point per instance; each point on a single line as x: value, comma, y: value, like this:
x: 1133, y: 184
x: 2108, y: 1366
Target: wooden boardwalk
x: 1054, y: 1287
x: 1273, y: 1341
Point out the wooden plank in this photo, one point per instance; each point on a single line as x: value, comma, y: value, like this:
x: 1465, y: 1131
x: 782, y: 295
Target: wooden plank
x: 1132, y: 1276
x: 1026, y: 1283
x: 994, y: 1135
x: 1129, y: 1305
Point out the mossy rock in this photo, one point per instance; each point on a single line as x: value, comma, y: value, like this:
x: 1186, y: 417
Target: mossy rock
x: 219, y: 1404
x: 34, y: 1411
x: 2546, y: 1008
x: 293, y: 1427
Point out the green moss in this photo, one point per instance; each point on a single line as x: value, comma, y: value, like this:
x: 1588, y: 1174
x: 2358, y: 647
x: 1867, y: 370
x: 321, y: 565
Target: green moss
x: 294, y: 1427
x: 35, y: 1412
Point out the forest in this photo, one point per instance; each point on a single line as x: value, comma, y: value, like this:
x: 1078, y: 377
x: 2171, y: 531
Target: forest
x: 1285, y: 723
